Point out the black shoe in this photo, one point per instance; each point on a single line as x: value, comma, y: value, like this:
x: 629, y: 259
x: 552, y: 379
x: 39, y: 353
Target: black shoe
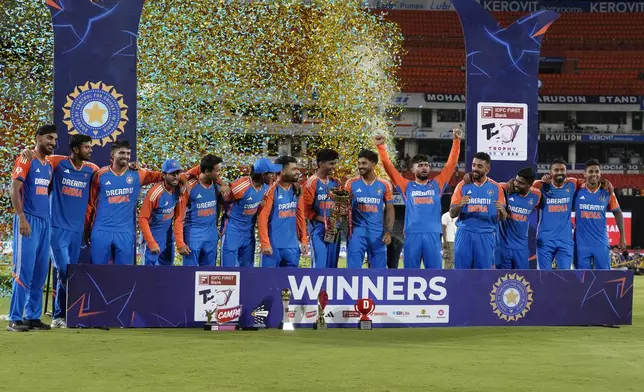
x: 17, y: 326
x: 37, y: 325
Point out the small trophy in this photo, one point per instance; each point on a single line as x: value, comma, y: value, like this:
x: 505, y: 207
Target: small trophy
x: 224, y: 319
x: 323, y: 299
x: 209, y: 325
x: 365, y: 306
x: 339, y: 213
x: 259, y: 314
x: 286, y: 324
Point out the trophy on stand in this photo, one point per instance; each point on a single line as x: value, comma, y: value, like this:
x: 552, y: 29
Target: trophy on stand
x: 286, y: 324
x: 224, y: 319
x: 365, y: 306
x: 208, y: 325
x: 323, y: 299
x: 341, y: 207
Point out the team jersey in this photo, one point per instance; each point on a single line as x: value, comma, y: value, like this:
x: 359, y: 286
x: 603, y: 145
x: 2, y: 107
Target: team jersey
x: 244, y: 203
x: 590, y: 216
x: 422, y: 199
x: 513, y: 232
x: 197, y: 214
x: 315, y: 196
x: 480, y: 214
x: 157, y: 211
x: 368, y: 205
x: 281, y: 220
x: 555, y: 211
x: 70, y: 192
x: 35, y: 176
x: 113, y: 197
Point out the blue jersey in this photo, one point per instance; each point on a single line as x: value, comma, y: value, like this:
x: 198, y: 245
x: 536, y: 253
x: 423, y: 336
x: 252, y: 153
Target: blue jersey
x: 281, y: 220
x: 513, y: 232
x: 198, y: 212
x: 35, y: 176
x: 590, y: 216
x: 315, y: 196
x: 242, y: 210
x: 368, y: 205
x: 555, y: 211
x: 113, y: 197
x: 480, y: 214
x: 157, y: 212
x: 70, y: 193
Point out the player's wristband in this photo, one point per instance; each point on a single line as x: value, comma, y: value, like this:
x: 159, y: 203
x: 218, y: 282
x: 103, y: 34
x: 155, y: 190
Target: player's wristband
x: 387, y: 231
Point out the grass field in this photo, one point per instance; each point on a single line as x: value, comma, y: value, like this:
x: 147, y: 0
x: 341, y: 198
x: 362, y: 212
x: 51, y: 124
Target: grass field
x: 439, y: 359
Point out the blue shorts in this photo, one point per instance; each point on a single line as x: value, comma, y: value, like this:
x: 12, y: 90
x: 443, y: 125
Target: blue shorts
x: 515, y: 258
x: 115, y: 246
x: 287, y: 257
x: 30, y: 267
x: 547, y: 251
x: 372, y: 245
x: 166, y: 257
x: 323, y: 254
x: 474, y: 250
x: 599, y: 254
x: 202, y: 252
x: 237, y: 250
x: 425, y: 246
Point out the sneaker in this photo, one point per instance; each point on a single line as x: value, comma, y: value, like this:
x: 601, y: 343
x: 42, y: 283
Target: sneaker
x: 59, y: 323
x: 37, y: 325
x: 17, y: 326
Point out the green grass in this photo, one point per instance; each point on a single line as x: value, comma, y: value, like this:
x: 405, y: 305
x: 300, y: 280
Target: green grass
x: 437, y: 359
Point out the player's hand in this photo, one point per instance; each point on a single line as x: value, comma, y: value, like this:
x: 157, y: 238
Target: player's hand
x: 379, y: 139
x: 499, y: 205
x: 24, y: 227
x: 225, y: 190
x: 509, y: 186
x: 87, y: 237
x: 134, y: 166
x: 154, y: 249
x: 297, y: 189
x: 606, y: 185
x: 184, y: 250
x: 547, y: 179
x: 304, y: 248
x: 28, y: 155
x: 464, y: 200
x: 267, y: 251
x: 445, y: 245
x: 386, y: 238
x: 467, y: 178
x: 622, y: 243
x: 458, y: 133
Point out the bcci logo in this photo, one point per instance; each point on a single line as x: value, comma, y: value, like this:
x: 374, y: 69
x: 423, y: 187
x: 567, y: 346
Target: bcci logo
x: 95, y: 110
x: 511, y: 297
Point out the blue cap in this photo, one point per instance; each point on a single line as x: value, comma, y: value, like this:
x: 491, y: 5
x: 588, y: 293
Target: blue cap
x: 264, y: 165
x: 171, y: 166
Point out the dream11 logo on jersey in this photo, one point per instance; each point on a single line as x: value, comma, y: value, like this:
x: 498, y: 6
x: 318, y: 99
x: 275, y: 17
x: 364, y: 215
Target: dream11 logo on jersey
x: 503, y: 130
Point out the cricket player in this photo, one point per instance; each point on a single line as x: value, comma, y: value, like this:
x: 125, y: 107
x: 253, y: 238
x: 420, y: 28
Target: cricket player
x: 195, y: 227
x: 31, y: 233
x: 422, y: 199
x: 247, y: 193
x: 281, y: 221
x: 157, y: 212
x: 478, y: 206
x: 591, y: 236
x: 372, y: 215
x: 109, y: 222
x: 513, y: 232
x: 318, y: 207
x: 69, y: 197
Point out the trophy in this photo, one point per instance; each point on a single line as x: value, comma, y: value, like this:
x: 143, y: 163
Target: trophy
x: 323, y: 299
x: 286, y: 324
x: 209, y: 325
x: 365, y: 306
x: 340, y: 210
x: 259, y: 315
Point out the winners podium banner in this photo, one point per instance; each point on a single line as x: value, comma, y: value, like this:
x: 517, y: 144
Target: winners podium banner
x: 171, y: 297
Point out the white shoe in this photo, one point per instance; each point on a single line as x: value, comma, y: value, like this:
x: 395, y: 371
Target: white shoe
x: 59, y: 323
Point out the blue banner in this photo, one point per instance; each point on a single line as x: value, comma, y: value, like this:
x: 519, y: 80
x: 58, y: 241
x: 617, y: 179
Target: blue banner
x: 143, y: 296
x: 95, y: 72
x: 502, y: 81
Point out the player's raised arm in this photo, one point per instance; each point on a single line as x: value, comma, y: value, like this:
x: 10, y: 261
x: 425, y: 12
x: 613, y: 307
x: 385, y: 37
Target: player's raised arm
x: 458, y: 201
x: 398, y: 180
x: 452, y: 161
x: 149, y: 177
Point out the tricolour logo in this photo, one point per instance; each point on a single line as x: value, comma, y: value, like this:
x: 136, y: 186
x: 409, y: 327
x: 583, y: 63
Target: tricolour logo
x: 95, y: 110
x: 511, y: 297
